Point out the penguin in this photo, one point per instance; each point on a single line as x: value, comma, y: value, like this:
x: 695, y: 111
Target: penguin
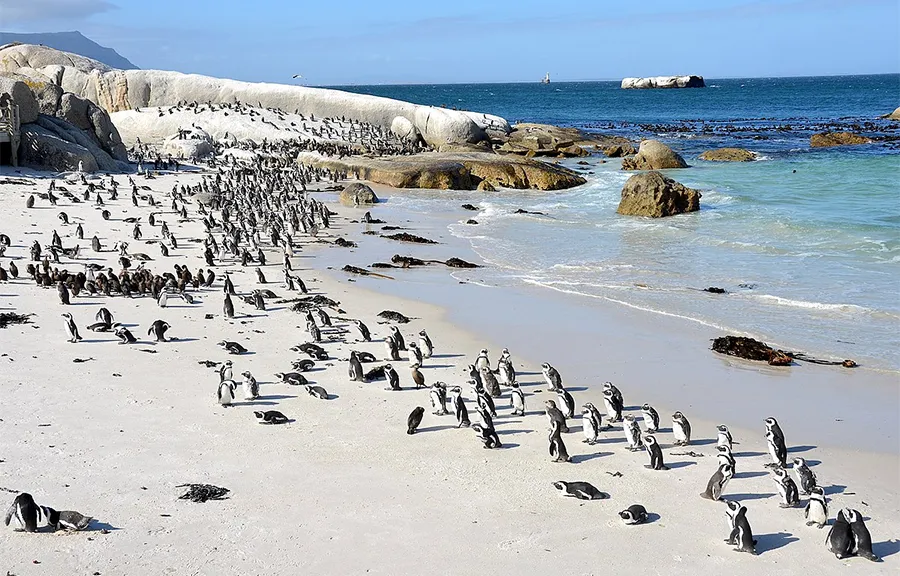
x: 816, y: 511
x: 260, y: 304
x: 292, y: 378
x: 95, y: 244
x: 517, y: 400
x: 438, y: 396
x: 651, y: 418
x: 324, y: 318
x: 787, y: 488
x: 163, y: 299
x: 317, y: 392
x: 398, y: 338
x: 862, y: 540
x: 505, y: 371
x: 425, y: 344
x: 617, y: 394
x: 551, y: 376
x: 716, y: 485
x: 250, y: 386
x: 158, y: 328
x: 724, y: 456
x: 590, y: 424
x: 63, y: 293
x: 459, y: 407
x: 482, y: 360
x: 681, y: 429
x: 363, y: 330
x: 226, y: 392
x: 271, y: 417
x: 314, y: 333
x: 655, y: 453
x: 29, y: 203
x: 71, y: 328
x: 634, y: 514
x: 723, y: 436
x: 566, y: 402
x: 79, y: 232
x: 489, y: 381
x: 632, y: 431
x: 226, y: 371
x: 741, y: 535
x: 28, y: 515
x: 232, y: 347
x: 840, y: 540
x: 777, y: 449
x: 392, y: 377
x: 415, y: 354
x: 260, y: 277
x: 228, y: 307
x: 580, y: 490
x: 557, y: 446
x: 355, y: 370
x: 554, y: 414
x: 304, y: 365
x: 415, y: 418
x: 806, y: 478
x: 614, y: 407
x: 125, y: 335
x: 485, y: 400
x: 417, y: 376
x: 488, y: 435
x: 393, y: 348
x: 72, y: 521
x: 772, y: 424
x: 105, y: 316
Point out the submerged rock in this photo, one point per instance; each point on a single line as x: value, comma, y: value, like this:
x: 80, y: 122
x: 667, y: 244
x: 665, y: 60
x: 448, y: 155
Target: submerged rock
x: 827, y: 139
x: 654, y: 155
x: 728, y: 155
x: 654, y: 195
x: 406, y: 237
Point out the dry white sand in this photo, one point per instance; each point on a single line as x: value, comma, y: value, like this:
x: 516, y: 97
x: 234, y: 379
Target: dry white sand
x: 343, y: 489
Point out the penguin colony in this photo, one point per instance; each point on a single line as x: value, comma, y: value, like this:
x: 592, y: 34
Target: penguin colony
x: 251, y: 208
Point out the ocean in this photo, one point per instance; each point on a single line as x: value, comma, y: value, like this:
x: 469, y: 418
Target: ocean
x: 806, y: 242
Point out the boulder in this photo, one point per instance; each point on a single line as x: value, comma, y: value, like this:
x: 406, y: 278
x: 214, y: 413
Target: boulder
x: 895, y: 115
x: 654, y: 155
x: 619, y: 150
x: 357, y: 193
x: 486, y: 186
x: 495, y: 127
x: 573, y: 151
x: 826, y: 139
x: 529, y: 139
x: 191, y: 143
x: 15, y: 85
x: 43, y: 149
x: 449, y: 170
x: 405, y: 130
x: 728, y: 155
x: 664, y: 82
x: 654, y: 195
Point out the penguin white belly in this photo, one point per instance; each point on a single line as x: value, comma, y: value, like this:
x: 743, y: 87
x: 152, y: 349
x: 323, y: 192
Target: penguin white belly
x: 678, y: 432
x: 773, y: 452
x: 817, y: 513
x: 248, y: 390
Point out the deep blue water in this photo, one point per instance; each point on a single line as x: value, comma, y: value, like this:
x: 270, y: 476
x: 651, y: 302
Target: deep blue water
x: 806, y: 241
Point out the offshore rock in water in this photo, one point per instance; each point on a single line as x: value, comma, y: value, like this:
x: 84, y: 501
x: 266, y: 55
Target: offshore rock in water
x: 654, y: 195
x: 827, y: 139
x: 691, y: 81
x: 356, y: 194
x: 654, y: 155
x: 728, y: 155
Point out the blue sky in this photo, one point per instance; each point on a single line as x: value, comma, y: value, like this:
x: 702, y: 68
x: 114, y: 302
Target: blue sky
x: 422, y: 41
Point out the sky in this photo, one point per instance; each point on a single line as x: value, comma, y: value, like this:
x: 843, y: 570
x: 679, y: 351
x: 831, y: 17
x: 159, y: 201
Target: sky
x: 334, y: 42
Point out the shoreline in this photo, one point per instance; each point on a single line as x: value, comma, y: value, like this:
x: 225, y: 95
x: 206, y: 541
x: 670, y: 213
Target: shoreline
x: 344, y: 475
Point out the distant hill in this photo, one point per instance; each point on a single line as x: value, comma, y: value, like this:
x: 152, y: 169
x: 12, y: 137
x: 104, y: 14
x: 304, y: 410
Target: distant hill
x: 74, y: 42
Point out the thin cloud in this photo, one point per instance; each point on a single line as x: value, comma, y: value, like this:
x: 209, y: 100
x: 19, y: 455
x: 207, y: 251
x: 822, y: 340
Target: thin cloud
x: 17, y: 12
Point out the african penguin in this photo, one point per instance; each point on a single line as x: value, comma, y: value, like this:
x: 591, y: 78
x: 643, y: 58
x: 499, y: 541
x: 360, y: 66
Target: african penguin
x: 655, y: 453
x: 787, y: 488
x: 650, y: 417
x: 517, y: 400
x: 816, y: 511
x: 716, y: 485
x: 634, y: 514
x: 741, y: 535
x: 415, y: 418
x: 580, y: 490
x: 632, y: 431
x: 459, y: 407
x: 681, y: 429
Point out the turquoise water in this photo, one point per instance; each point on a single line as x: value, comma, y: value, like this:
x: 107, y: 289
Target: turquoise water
x: 806, y: 242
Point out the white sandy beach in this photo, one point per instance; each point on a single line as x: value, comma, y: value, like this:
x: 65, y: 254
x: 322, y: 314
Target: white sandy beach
x: 342, y: 489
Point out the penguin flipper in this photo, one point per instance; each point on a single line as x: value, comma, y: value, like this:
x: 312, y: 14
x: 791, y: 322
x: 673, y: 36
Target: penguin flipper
x: 10, y: 512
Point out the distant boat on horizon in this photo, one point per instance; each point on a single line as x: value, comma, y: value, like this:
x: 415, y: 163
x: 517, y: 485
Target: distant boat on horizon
x: 546, y: 79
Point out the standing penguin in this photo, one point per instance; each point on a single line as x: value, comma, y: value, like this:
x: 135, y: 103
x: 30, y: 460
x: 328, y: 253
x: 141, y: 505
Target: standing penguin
x: 226, y: 392
x: 566, y: 402
x: 517, y: 400
x: 459, y: 407
x: 506, y: 372
x: 363, y: 330
x: 324, y: 318
x: 840, y: 537
x: 393, y: 349
x: 392, y: 377
x: 651, y: 418
x: 63, y: 293
x: 355, y: 369
x: 228, y: 307
x: 724, y: 456
x: 554, y: 414
x: 250, y: 386
x: 557, y: 446
x: 655, y: 453
x: 71, y: 328
x: 482, y: 360
x: 398, y: 338
x: 632, y: 431
x: 158, y: 328
x: 816, y: 511
x: 806, y: 478
x: 723, y: 436
x: 415, y: 418
x: 681, y: 429
x: 716, y: 485
x: 590, y: 423
x: 787, y: 488
x: 741, y: 535
x: 551, y: 376
x: 226, y: 371
x: 28, y: 515
x: 777, y: 450
x: 613, y: 405
x: 125, y: 335
x: 438, y: 396
x: 489, y: 381
x: 862, y: 540
x: 415, y: 354
x: 425, y: 344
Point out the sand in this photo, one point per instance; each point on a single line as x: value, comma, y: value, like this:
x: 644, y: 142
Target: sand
x: 343, y: 489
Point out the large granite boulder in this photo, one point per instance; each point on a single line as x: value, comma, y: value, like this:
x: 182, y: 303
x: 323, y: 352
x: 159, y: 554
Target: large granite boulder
x: 664, y: 82
x: 449, y: 170
x: 728, y: 155
x: 54, y: 144
x: 826, y: 139
x: 118, y: 90
x: 190, y: 143
x: 405, y: 130
x: 654, y: 155
x: 654, y: 195
x: 357, y: 193
x: 619, y: 150
x: 15, y: 85
x: 495, y: 127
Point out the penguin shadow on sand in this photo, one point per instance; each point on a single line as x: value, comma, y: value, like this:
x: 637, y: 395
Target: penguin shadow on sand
x: 680, y: 464
x: 438, y: 428
x: 448, y: 355
x: 747, y: 496
x: 703, y: 442
x: 886, y: 548
x: 753, y: 474
x: 97, y: 526
x: 805, y: 448
x: 834, y: 489
x: 747, y: 454
x: 579, y: 458
x: 773, y: 541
